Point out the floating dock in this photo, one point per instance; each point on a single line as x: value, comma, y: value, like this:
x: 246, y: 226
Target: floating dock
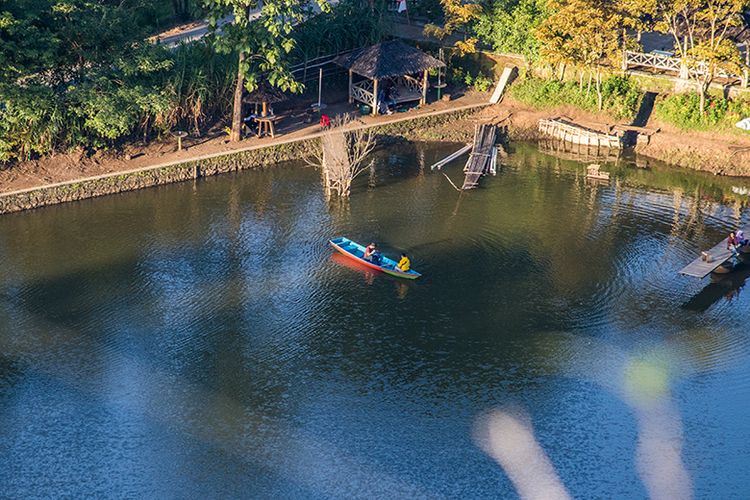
x: 717, y: 255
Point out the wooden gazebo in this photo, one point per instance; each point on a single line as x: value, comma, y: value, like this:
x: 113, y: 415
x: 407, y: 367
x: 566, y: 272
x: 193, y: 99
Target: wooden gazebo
x: 264, y: 94
x: 402, y: 66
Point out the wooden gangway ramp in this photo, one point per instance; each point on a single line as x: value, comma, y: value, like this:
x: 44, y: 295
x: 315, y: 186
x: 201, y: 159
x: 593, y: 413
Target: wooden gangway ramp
x: 482, y: 159
x: 509, y: 74
x: 718, y: 254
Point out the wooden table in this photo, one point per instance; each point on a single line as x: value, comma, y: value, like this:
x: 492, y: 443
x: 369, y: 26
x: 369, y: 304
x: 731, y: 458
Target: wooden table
x: 266, y: 124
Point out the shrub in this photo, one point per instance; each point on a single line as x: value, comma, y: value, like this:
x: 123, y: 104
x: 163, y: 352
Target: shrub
x: 480, y: 83
x: 683, y: 111
x: 621, y: 96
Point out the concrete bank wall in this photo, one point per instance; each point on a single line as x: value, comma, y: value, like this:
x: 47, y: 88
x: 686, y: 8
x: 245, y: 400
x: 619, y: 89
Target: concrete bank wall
x: 253, y: 157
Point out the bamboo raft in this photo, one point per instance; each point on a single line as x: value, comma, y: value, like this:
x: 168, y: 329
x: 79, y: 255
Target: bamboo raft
x: 483, y: 157
x: 577, y: 134
x: 577, y: 152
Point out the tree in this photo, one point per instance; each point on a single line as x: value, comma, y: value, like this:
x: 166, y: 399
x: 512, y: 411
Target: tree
x: 75, y: 72
x: 510, y: 25
x: 342, y: 156
x: 262, y: 42
x: 583, y: 33
x: 457, y: 15
x: 701, y: 30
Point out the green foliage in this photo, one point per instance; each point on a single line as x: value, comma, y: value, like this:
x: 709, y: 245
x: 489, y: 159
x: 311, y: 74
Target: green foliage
x: 683, y: 111
x: 349, y: 25
x: 621, y: 95
x: 31, y: 119
x: 78, y: 73
x: 263, y: 44
x: 96, y: 88
x: 480, y: 82
x: 457, y: 15
x: 510, y: 26
x: 151, y: 93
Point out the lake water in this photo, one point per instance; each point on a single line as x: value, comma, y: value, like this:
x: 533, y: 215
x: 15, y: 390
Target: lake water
x: 200, y: 340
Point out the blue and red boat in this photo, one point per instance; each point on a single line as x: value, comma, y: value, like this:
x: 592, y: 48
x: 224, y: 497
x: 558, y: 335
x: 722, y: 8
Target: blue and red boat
x: 356, y: 252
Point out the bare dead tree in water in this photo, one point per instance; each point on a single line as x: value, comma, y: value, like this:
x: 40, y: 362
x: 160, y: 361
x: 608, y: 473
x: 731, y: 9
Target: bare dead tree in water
x: 342, y: 156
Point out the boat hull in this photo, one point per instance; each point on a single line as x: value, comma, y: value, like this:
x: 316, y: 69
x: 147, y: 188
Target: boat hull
x: 356, y: 252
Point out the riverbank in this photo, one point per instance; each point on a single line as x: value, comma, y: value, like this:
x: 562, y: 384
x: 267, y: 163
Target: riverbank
x: 716, y: 153
x: 214, y: 156
x: 71, y: 177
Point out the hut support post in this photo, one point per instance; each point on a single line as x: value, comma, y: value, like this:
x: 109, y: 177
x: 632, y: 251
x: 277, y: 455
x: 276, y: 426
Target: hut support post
x: 351, y: 78
x: 424, y: 89
x: 375, y: 97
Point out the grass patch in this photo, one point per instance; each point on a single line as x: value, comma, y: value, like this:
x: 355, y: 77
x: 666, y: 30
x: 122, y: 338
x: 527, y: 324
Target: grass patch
x: 621, y: 95
x: 683, y: 111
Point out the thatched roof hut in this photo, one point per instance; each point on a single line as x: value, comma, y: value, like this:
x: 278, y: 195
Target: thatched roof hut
x: 394, y: 61
x: 264, y: 93
x: 388, y: 59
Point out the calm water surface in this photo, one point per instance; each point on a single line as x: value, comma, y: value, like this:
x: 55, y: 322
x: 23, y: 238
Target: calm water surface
x: 200, y: 340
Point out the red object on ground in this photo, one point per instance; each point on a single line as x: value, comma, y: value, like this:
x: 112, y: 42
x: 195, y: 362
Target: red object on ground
x: 325, y: 122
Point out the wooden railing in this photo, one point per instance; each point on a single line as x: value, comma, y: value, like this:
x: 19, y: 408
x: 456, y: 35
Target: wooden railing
x: 303, y: 71
x: 409, y: 83
x: 363, y: 91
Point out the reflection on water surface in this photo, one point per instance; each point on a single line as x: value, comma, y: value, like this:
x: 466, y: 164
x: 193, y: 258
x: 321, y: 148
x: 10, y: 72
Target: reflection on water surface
x: 201, y: 340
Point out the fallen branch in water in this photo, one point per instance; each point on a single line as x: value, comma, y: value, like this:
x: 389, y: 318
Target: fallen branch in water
x: 449, y: 180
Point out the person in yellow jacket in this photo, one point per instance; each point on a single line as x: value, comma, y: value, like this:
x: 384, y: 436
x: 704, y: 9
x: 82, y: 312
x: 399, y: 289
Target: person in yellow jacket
x: 404, y: 264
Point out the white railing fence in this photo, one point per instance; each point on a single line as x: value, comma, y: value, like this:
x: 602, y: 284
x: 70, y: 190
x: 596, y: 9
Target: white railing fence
x: 670, y: 63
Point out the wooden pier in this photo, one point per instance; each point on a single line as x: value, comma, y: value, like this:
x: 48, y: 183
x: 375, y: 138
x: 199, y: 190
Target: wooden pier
x: 709, y: 260
x: 482, y: 159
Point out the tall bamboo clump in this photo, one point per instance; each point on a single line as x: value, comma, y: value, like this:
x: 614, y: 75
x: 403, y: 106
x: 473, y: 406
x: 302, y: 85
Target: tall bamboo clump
x: 342, y: 156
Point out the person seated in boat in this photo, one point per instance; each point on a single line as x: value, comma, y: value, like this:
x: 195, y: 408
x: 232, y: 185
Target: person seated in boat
x: 369, y: 250
x: 404, y: 264
x: 372, y: 254
x: 732, y: 242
